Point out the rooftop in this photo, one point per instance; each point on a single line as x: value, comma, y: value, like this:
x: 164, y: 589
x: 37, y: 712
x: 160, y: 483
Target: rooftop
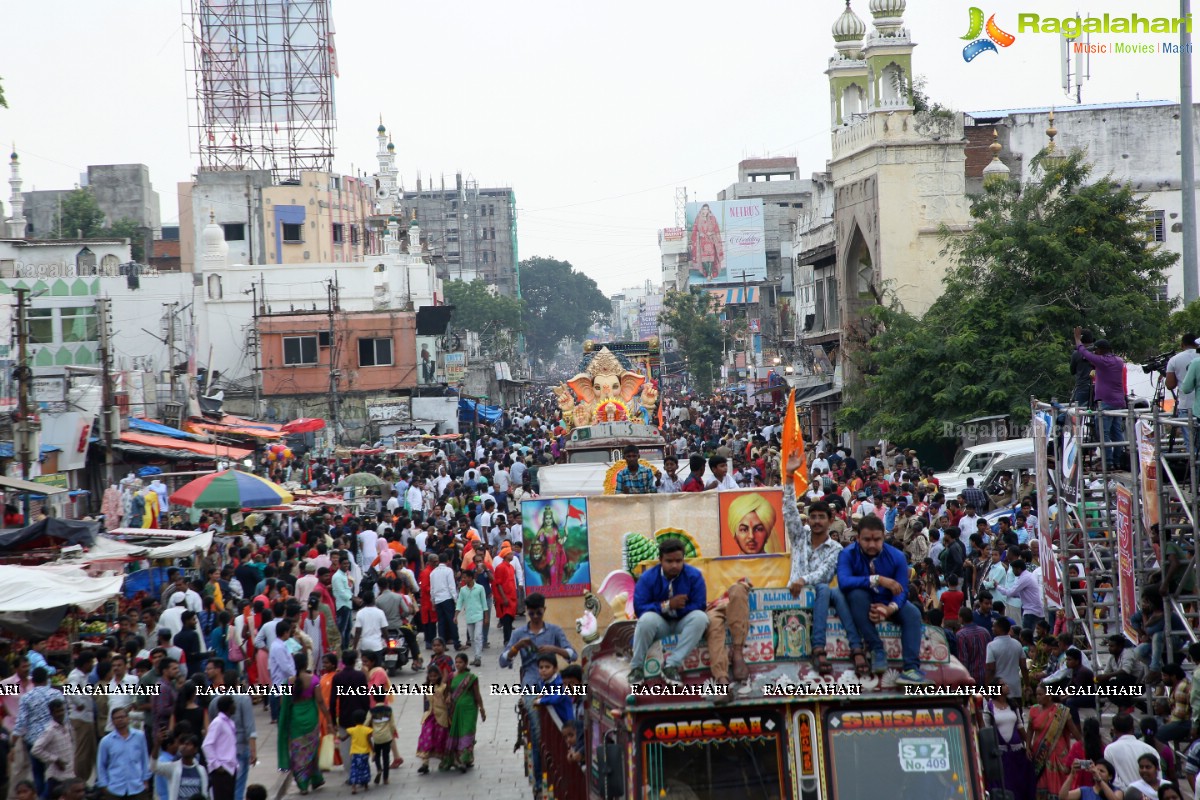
x: 1003, y: 112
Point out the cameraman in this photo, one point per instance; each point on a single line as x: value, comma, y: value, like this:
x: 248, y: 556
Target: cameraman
x: 1176, y: 374
x: 1110, y: 392
x: 1081, y: 395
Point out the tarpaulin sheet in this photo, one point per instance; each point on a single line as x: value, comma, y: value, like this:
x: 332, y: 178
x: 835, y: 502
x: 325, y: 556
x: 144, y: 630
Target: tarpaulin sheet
x: 50, y: 532
x: 24, y: 589
x: 149, y: 426
x: 466, y: 411
x: 214, y: 451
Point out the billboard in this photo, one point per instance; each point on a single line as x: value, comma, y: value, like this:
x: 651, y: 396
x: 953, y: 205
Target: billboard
x: 726, y: 238
x: 456, y: 367
x: 427, y: 360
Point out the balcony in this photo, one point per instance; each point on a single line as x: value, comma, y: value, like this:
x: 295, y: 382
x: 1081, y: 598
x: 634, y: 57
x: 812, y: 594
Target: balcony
x: 900, y: 126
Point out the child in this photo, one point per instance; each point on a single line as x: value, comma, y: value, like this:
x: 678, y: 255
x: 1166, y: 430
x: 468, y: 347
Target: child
x: 572, y: 678
x: 383, y: 739
x: 360, y: 752
x: 435, y: 725
x: 552, y: 688
x: 443, y: 662
x: 256, y: 791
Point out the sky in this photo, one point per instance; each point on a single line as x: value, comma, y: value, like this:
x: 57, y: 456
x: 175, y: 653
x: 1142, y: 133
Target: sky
x: 593, y: 113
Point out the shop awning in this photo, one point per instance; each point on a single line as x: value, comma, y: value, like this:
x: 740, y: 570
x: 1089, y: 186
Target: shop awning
x: 6, y: 450
x: 232, y: 430
x: 213, y: 451
x: 27, y: 589
x: 157, y: 428
x: 18, y: 485
x: 737, y: 295
x: 817, y: 393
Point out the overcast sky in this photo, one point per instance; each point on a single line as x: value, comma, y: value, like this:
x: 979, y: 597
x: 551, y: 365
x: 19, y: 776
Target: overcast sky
x: 593, y: 113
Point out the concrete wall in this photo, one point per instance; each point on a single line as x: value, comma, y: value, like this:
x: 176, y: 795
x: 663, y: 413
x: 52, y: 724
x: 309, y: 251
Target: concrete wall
x: 324, y: 200
x: 459, y: 225
x: 230, y: 198
x: 124, y: 192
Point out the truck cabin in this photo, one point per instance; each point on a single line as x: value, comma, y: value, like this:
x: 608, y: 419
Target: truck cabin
x: 771, y: 741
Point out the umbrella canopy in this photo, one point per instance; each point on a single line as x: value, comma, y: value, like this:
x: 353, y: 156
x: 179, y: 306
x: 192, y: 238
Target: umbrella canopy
x: 361, y: 479
x: 231, y: 489
x: 303, y: 425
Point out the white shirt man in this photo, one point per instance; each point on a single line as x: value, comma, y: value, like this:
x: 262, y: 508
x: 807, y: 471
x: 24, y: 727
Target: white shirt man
x: 420, y: 539
x: 441, y: 584
x: 515, y: 533
x: 820, y: 463
x: 1177, y: 368
x: 443, y: 480
x: 188, y: 599
x: 502, y: 480
x: 415, y: 498
x: 370, y: 621
x: 172, y: 618
x: 393, y: 504
x: 368, y: 547
x: 867, y: 507
x: 1123, y: 754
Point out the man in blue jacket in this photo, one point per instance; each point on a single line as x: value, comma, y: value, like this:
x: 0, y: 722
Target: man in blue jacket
x: 873, y: 576
x: 669, y: 599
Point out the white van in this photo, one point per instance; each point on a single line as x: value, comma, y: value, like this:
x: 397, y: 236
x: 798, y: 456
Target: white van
x: 973, y: 462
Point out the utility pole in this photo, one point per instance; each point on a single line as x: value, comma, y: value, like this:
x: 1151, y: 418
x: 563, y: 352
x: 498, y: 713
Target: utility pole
x: 333, y: 350
x: 1191, y: 280
x: 106, y: 393
x: 171, y: 344
x: 25, y: 430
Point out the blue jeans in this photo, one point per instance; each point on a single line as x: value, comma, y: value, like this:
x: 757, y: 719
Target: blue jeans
x: 243, y: 774
x: 821, y: 616
x: 653, y: 627
x: 345, y: 622
x: 908, y: 618
x: 1112, y: 430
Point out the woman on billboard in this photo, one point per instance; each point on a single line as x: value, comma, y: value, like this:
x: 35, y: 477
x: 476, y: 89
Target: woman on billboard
x: 705, y: 247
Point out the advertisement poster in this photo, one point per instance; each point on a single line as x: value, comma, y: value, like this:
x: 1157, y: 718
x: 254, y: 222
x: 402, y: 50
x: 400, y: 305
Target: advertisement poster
x: 1070, y: 459
x: 1051, y: 584
x: 556, y: 546
x: 752, y: 522
x: 1126, y: 588
x: 726, y: 241
x: 456, y: 367
x: 1149, y: 473
x: 427, y: 360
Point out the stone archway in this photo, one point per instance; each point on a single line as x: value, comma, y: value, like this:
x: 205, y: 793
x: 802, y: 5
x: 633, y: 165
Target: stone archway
x: 861, y: 286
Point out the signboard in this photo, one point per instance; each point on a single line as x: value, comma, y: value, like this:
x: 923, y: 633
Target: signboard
x: 56, y: 479
x: 672, y: 234
x: 726, y: 241
x: 456, y: 367
x: 427, y: 360
x: 1126, y: 588
x: 755, y: 325
x: 1051, y: 584
x: 1069, y: 469
x: 389, y: 409
x: 709, y: 725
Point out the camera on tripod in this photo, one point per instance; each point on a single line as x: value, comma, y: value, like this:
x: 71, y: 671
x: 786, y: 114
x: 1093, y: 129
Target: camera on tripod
x: 1158, y: 363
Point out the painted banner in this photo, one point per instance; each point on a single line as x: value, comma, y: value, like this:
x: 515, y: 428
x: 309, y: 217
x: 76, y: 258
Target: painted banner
x: 456, y: 367
x: 1127, y: 589
x: 1051, y: 584
x: 556, y: 546
x: 752, y: 522
x: 1148, y: 467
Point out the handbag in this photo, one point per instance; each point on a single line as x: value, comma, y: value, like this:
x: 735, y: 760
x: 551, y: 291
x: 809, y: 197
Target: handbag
x: 236, y: 654
x: 325, y: 756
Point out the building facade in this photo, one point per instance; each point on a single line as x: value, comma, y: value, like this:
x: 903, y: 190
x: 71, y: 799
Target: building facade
x: 123, y: 191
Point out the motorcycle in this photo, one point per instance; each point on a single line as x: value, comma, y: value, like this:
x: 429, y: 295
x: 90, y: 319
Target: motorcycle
x: 395, y: 651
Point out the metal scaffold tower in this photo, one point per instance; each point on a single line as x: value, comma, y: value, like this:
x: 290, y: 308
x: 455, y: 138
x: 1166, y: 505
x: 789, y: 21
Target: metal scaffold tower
x: 262, y: 83
x: 1118, y: 522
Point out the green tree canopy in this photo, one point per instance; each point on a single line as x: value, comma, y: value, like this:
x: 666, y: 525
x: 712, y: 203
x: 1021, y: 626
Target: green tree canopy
x: 477, y: 308
x: 80, y: 215
x: 1040, y: 258
x: 127, y: 228
x: 560, y: 303
x: 3, y: 102
x: 695, y: 325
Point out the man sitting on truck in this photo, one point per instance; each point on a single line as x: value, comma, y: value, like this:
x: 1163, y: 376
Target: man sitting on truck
x: 669, y: 599
x: 873, y: 577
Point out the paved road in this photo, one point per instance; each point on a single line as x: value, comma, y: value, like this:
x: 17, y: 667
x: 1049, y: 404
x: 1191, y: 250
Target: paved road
x: 498, y: 772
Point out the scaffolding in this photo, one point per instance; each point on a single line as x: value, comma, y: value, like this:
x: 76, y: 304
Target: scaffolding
x: 262, y: 78
x: 1118, y: 523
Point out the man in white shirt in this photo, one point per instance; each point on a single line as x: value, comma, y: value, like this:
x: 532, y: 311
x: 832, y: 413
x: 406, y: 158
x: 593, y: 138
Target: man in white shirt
x: 443, y: 593
x: 443, y: 480
x: 369, y: 624
x: 1124, y: 751
x: 172, y: 618
x: 306, y: 584
x: 368, y: 548
x: 1177, y: 369
x: 501, y: 480
x: 820, y: 463
x: 867, y: 507
x: 719, y: 466
x: 393, y: 503
x: 415, y: 499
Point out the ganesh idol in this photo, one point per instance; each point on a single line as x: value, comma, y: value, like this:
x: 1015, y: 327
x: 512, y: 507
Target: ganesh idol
x: 606, y: 390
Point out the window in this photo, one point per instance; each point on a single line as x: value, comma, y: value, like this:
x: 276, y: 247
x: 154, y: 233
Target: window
x: 40, y: 325
x: 339, y: 235
x: 234, y: 231
x: 109, y: 265
x: 374, y: 352
x: 215, y: 291
x: 293, y: 233
x: 353, y: 234
x: 323, y: 339
x: 1157, y: 226
x: 79, y: 324
x: 485, y: 256
x: 819, y: 306
x: 491, y: 210
x: 1160, y: 293
x: 299, y: 350
x: 832, y: 316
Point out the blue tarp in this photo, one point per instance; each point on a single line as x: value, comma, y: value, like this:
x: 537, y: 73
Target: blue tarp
x: 146, y: 426
x: 145, y: 580
x: 6, y: 450
x: 488, y: 414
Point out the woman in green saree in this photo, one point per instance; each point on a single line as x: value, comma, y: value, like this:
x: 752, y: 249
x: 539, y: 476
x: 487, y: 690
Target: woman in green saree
x: 465, y: 705
x: 299, y: 735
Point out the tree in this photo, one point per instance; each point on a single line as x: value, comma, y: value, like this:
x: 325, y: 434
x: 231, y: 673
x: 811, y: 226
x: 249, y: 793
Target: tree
x: 3, y: 102
x: 1041, y: 258
x: 127, y: 228
x: 477, y: 308
x: 80, y: 215
x: 560, y: 303
x: 695, y: 325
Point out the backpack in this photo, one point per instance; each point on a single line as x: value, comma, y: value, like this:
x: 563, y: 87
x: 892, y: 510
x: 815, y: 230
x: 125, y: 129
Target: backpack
x: 236, y: 654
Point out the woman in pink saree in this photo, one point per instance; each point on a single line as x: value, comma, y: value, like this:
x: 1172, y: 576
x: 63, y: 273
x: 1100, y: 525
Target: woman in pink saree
x: 705, y: 247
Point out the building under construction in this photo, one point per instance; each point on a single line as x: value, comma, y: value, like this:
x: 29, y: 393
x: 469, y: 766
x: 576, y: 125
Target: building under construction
x: 262, y: 84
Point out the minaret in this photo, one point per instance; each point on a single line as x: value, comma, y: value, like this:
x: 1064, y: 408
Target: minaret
x: 392, y: 238
x: 995, y: 170
x: 414, y: 235
x: 848, y: 81
x: 15, y: 226
x: 386, y: 195
x: 888, y: 53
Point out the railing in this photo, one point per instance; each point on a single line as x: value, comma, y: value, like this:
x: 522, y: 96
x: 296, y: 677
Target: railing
x: 563, y: 780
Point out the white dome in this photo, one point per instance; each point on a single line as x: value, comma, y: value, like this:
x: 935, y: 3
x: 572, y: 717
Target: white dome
x: 849, y: 27
x: 887, y: 8
x: 214, y: 250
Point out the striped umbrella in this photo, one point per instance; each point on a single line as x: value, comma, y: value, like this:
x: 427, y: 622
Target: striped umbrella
x: 231, y: 489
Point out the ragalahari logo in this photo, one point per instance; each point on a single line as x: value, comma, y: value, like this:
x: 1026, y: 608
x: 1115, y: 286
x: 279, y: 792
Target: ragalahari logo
x: 995, y: 36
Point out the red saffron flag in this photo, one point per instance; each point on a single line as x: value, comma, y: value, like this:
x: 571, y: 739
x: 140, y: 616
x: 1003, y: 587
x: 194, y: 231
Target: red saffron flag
x: 574, y: 512
x: 793, y: 441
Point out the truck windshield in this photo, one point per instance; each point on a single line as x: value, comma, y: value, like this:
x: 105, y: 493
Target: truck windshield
x: 909, y: 752
x: 719, y: 758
